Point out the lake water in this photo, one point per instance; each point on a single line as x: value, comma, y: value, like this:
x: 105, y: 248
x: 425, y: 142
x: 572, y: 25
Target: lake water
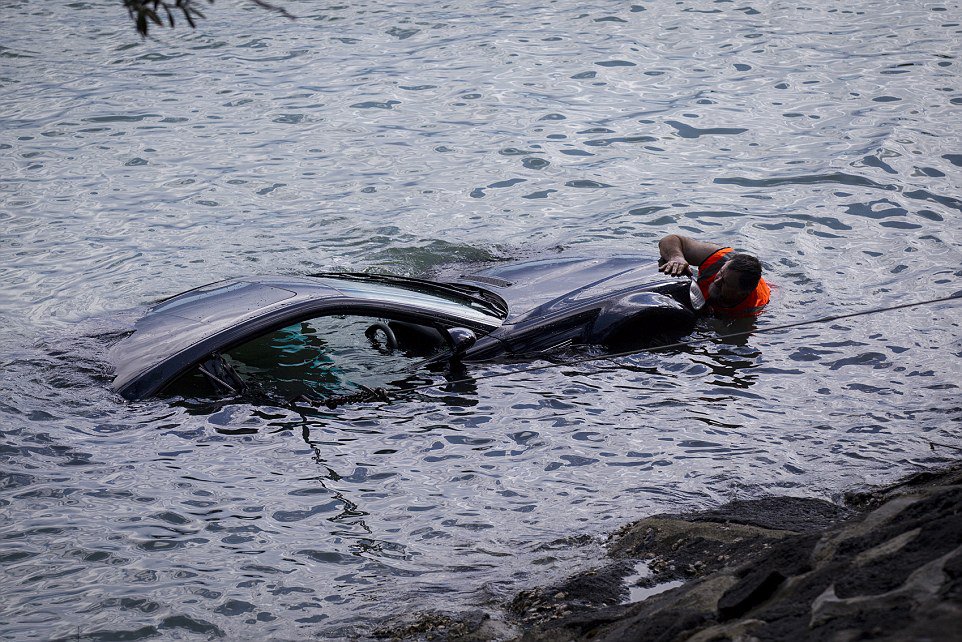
x: 414, y: 138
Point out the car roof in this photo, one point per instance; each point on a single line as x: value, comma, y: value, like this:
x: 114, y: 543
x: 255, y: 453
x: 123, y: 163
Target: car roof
x: 182, y: 331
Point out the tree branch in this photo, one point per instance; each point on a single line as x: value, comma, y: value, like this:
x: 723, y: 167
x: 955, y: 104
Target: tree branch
x: 147, y: 12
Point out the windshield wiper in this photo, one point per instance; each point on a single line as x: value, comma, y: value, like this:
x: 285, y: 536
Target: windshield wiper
x: 223, y: 377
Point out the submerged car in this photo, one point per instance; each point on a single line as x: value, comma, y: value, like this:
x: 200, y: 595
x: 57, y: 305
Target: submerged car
x: 330, y: 333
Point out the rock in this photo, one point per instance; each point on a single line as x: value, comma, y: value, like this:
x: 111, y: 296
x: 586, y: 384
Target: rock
x: 595, y: 588
x: 796, y: 514
x: 757, y: 584
x: 888, y: 567
x: 472, y: 626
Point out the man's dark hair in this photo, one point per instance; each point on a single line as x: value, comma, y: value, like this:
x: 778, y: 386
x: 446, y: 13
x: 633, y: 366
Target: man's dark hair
x: 748, y: 268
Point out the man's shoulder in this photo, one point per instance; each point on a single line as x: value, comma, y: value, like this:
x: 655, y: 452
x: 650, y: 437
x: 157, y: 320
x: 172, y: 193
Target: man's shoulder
x: 715, y: 256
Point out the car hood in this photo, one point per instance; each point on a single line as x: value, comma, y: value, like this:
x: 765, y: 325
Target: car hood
x: 544, y: 287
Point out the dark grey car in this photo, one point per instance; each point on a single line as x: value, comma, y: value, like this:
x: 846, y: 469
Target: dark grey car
x: 334, y: 332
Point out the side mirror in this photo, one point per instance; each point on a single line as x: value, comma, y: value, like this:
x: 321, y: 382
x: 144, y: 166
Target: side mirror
x: 460, y: 340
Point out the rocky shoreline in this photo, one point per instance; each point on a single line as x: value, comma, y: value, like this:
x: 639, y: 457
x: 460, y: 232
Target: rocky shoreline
x: 885, y: 565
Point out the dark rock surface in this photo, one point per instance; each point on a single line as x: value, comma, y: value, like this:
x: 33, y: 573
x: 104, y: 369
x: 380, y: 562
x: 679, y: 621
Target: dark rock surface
x: 796, y: 514
x: 887, y: 566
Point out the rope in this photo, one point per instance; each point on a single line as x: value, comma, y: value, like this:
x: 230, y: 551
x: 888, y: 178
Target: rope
x: 380, y: 394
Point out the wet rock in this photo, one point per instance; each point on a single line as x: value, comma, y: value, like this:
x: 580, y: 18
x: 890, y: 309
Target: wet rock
x: 797, y: 514
x: 472, y: 626
x: 887, y: 567
x: 685, y: 548
x: 757, y: 584
x: 596, y: 589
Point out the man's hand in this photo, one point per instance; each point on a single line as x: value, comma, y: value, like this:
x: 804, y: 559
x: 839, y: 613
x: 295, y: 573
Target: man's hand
x: 677, y: 266
x: 680, y: 252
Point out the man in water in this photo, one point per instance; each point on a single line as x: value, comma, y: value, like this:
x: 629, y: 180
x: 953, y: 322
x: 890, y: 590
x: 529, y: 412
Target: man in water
x: 727, y: 284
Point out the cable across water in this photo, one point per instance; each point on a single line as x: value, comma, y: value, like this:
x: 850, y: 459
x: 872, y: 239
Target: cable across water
x: 380, y: 394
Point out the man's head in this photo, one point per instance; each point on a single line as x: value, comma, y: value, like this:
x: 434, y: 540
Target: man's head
x: 735, y: 280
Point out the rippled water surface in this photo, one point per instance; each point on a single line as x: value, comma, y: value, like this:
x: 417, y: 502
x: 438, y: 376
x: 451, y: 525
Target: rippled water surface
x: 416, y: 137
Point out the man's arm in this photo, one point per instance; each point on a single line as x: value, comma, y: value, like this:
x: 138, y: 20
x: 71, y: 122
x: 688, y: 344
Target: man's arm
x: 680, y: 253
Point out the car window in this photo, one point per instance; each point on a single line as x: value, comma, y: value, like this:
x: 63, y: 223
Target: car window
x: 326, y: 356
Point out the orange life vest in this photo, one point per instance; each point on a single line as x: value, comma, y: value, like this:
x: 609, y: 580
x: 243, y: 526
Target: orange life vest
x: 752, y: 304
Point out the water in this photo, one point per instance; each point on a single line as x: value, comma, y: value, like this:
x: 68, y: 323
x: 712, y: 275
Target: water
x: 638, y: 593
x: 416, y: 137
